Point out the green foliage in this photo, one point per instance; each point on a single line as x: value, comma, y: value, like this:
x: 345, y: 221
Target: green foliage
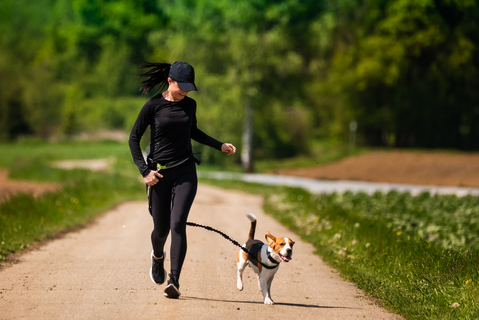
x: 69, y: 54
x: 25, y: 86
x: 246, y: 52
x: 405, y: 71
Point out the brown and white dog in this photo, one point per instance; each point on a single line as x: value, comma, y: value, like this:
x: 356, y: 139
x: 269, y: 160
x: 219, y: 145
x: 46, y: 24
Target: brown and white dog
x: 263, y: 259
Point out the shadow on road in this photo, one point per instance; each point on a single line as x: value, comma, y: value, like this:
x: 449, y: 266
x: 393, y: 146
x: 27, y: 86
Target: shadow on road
x: 261, y: 303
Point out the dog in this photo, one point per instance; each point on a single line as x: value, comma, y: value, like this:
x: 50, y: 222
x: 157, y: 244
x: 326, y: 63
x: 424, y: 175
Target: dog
x: 263, y: 259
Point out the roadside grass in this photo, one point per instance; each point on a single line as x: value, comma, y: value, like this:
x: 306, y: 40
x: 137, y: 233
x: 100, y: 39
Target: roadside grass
x: 84, y: 194
x: 417, y: 255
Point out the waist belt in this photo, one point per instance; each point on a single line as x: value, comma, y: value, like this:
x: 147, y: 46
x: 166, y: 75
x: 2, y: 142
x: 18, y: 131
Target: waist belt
x: 157, y: 166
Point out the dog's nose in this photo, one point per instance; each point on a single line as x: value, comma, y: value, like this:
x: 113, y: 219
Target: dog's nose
x: 289, y: 251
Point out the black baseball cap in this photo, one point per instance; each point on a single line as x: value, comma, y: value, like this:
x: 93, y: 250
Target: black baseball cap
x: 184, y: 74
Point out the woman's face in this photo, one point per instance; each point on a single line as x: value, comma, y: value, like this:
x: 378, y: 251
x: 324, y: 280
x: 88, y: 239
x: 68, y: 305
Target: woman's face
x: 175, y: 92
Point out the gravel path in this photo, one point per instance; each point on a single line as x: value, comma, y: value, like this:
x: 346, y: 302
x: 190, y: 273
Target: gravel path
x: 340, y: 186
x: 101, y: 272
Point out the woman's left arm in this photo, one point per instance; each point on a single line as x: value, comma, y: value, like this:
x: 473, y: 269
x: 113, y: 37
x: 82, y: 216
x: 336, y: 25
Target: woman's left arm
x: 203, y: 138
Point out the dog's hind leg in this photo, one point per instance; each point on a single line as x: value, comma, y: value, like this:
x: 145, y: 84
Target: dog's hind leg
x: 241, y: 266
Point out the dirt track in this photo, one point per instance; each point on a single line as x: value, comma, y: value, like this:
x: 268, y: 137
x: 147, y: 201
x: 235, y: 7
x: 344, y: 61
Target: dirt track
x: 101, y: 272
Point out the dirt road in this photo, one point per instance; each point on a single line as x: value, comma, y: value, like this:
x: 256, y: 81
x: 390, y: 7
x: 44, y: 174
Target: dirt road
x: 101, y: 272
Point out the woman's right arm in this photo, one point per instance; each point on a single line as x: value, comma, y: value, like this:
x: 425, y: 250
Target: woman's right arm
x: 139, y: 128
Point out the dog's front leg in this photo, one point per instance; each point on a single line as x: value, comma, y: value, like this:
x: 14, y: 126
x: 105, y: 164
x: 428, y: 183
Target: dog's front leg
x: 265, y: 286
x: 270, y: 281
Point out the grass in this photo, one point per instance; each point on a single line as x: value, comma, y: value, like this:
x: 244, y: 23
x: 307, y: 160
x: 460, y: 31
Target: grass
x: 375, y: 243
x: 38, y: 150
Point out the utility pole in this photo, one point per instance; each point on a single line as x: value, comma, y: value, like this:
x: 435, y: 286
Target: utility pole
x: 353, y: 127
x: 247, y: 151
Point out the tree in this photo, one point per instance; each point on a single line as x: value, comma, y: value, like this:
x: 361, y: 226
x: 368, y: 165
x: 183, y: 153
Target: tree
x: 248, y: 54
x: 407, y: 79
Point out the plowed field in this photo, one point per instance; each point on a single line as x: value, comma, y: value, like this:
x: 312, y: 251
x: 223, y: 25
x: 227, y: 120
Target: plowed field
x: 432, y: 168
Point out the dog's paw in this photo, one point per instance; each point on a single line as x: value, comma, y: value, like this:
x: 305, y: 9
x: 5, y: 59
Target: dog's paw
x: 239, y: 286
x: 268, y: 301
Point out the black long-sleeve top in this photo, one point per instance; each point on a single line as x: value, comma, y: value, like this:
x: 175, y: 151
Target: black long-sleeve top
x: 172, y: 125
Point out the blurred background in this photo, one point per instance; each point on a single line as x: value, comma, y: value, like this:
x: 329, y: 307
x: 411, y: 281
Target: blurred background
x: 280, y: 79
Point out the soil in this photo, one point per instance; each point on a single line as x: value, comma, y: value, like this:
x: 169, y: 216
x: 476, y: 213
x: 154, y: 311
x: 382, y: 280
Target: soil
x: 10, y: 187
x: 417, y: 168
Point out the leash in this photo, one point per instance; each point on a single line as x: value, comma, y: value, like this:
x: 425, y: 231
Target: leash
x: 250, y: 256
x: 192, y: 224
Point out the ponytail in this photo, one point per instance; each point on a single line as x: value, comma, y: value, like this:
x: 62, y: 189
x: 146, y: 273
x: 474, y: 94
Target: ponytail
x: 157, y: 76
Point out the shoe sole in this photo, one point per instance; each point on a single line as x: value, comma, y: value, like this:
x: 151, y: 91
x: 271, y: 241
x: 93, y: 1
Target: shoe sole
x: 151, y: 270
x: 172, y: 292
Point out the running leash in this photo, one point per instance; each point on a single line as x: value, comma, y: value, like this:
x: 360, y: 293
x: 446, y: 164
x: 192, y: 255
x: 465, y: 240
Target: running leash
x: 250, y: 256
x: 192, y: 224
x: 219, y: 232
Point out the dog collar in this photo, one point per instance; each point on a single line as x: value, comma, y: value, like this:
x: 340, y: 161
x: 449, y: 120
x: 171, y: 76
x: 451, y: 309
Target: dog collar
x: 272, y: 259
x: 276, y: 263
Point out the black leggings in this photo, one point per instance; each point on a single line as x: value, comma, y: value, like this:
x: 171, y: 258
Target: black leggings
x: 171, y: 200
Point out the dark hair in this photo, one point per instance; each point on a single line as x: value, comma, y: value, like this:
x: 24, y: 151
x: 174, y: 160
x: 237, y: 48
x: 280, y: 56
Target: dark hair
x: 157, y: 76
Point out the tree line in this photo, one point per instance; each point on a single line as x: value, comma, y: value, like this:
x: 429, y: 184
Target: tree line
x: 405, y: 71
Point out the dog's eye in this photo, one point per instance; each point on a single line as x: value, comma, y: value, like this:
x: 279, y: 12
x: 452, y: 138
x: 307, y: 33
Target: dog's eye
x: 282, y: 243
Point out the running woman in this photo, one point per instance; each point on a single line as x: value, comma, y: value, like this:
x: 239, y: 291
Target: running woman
x: 170, y: 171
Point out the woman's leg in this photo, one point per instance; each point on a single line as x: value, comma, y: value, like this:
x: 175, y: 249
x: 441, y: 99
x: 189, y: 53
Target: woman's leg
x: 160, y: 211
x: 184, y: 192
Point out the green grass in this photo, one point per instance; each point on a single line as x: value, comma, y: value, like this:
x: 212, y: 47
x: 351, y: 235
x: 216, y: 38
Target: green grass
x: 380, y: 243
x: 12, y: 152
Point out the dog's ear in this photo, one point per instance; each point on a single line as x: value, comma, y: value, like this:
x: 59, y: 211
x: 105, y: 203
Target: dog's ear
x: 270, y: 238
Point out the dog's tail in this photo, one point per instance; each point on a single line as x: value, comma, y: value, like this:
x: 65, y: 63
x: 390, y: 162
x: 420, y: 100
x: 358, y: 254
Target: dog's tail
x: 252, y: 230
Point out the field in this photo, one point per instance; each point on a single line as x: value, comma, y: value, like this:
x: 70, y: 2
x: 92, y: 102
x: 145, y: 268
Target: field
x: 410, y: 167
x: 417, y: 256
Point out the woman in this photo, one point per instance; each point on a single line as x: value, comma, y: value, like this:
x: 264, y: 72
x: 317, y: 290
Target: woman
x: 170, y: 170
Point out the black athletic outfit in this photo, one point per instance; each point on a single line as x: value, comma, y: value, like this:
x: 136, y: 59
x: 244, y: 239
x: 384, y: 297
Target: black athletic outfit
x: 172, y: 125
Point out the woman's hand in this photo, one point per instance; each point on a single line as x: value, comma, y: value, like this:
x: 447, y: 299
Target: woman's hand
x: 152, y: 178
x: 228, y: 148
